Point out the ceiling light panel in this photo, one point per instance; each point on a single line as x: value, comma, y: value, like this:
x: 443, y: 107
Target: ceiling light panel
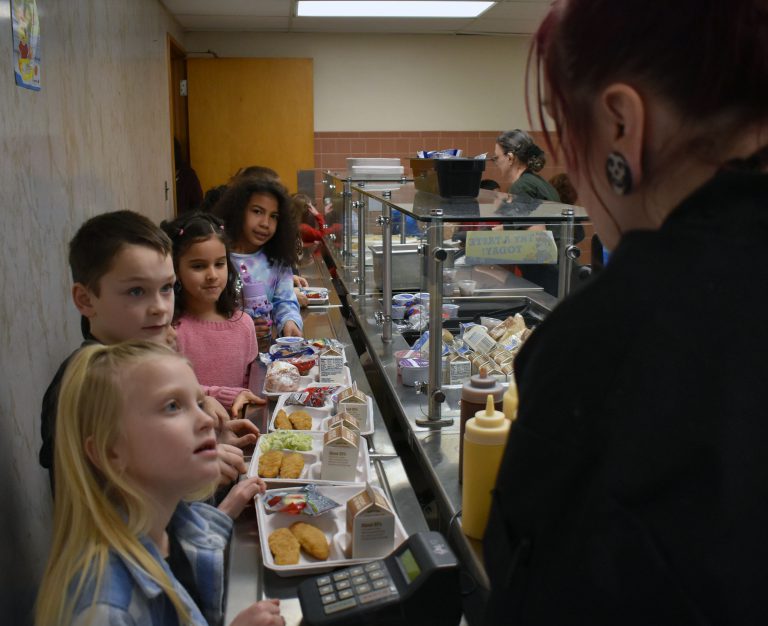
x: 391, y: 8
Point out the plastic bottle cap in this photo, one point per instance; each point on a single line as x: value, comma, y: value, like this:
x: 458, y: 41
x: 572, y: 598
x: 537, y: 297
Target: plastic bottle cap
x: 489, y: 417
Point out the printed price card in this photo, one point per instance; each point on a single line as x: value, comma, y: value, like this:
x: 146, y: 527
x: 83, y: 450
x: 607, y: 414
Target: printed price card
x: 510, y: 246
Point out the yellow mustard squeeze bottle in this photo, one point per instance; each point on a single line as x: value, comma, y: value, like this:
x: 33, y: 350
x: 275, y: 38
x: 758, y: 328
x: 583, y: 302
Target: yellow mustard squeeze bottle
x: 484, y: 440
x: 510, y: 401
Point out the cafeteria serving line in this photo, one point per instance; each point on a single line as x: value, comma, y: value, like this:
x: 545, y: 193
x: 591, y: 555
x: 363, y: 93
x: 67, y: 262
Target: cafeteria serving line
x: 316, y: 332
x: 413, y: 457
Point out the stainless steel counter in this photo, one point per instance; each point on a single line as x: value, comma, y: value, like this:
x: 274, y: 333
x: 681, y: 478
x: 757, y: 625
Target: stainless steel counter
x: 249, y: 581
x: 435, y: 449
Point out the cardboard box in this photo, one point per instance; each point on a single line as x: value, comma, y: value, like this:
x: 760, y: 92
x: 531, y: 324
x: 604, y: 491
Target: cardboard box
x: 354, y: 402
x: 330, y: 363
x: 341, y: 447
x: 346, y: 420
x: 371, y: 525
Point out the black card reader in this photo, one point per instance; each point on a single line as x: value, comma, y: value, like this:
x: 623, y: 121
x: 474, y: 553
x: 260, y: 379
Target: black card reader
x: 417, y: 584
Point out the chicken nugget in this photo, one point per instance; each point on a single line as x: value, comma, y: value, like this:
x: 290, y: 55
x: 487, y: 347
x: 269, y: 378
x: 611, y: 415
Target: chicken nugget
x: 301, y: 420
x: 269, y: 463
x: 292, y: 466
x: 284, y: 547
x: 312, y: 540
x: 282, y: 422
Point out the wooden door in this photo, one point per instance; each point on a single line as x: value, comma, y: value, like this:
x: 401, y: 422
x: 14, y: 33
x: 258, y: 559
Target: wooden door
x: 250, y: 112
x: 177, y: 72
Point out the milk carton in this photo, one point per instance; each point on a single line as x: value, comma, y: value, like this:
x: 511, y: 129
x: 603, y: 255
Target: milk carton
x: 341, y: 447
x: 459, y: 369
x: 331, y: 366
x: 370, y: 524
x: 346, y: 420
x: 354, y: 402
x: 478, y: 339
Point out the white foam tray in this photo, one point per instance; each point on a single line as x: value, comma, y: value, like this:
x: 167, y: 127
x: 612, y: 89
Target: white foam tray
x: 333, y: 524
x: 313, y: 465
x: 320, y: 415
x: 310, y: 380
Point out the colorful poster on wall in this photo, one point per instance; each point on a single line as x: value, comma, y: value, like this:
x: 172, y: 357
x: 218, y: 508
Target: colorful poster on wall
x: 26, y: 43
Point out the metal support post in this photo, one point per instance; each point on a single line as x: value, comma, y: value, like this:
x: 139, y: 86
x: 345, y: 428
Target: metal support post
x: 386, y: 271
x: 436, y: 256
x: 566, y: 253
x: 346, y: 216
x: 361, y: 247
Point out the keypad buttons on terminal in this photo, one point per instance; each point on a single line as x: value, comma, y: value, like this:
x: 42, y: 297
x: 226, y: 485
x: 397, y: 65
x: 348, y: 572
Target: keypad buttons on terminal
x: 328, y: 598
x: 341, y: 575
x: 359, y: 580
x: 355, y: 571
x: 340, y: 606
x: 375, y: 575
x: 323, y: 580
x: 325, y: 589
x: 380, y: 583
x: 342, y: 584
x: 373, y: 595
x: 362, y: 588
x: 345, y: 593
x: 370, y: 567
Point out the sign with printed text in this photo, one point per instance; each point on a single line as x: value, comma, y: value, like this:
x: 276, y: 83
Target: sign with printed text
x: 510, y: 246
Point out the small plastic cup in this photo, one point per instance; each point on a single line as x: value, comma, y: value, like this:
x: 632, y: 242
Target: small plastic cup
x: 449, y: 275
x: 398, y: 311
x: 448, y: 289
x: 452, y: 311
x: 467, y: 287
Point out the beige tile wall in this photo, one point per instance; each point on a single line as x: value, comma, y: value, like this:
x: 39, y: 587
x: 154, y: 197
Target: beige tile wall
x: 94, y: 139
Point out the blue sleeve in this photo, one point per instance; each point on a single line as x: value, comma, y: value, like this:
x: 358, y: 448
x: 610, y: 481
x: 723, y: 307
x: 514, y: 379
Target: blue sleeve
x: 285, y: 306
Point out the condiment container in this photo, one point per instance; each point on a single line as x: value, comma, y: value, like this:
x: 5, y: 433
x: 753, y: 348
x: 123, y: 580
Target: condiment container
x: 473, y: 397
x: 484, y: 442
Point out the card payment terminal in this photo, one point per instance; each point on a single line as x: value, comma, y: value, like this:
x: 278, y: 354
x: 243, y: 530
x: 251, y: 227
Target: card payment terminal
x: 417, y: 584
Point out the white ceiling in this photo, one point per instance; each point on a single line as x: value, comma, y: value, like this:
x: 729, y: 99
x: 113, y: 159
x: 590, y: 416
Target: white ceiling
x: 506, y: 17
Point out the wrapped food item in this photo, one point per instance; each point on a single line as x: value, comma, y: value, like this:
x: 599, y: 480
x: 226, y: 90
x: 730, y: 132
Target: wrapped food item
x: 312, y: 396
x: 322, y: 344
x: 304, y: 501
x: 303, y: 363
x: 283, y: 352
x: 281, y: 376
x: 513, y: 324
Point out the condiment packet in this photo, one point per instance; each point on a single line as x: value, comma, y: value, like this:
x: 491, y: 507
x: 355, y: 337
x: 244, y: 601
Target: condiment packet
x: 312, y: 396
x: 305, y: 501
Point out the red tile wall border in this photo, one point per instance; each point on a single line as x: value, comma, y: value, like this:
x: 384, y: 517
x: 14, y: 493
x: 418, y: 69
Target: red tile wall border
x: 333, y: 148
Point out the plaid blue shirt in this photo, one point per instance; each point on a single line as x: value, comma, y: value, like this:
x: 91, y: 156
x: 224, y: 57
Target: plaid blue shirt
x: 278, y: 283
x: 129, y: 597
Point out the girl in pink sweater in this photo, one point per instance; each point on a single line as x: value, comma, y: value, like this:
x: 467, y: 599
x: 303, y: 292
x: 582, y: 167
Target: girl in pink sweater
x: 211, y: 329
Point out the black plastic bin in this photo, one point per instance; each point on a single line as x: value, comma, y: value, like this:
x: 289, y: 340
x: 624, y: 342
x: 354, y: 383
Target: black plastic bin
x: 459, y: 178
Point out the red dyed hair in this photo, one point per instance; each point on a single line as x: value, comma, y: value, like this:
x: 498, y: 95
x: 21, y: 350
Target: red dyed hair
x: 707, y: 58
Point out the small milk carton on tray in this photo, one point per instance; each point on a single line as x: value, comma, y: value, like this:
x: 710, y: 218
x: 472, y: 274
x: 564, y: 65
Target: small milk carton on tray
x: 330, y: 364
x: 346, y: 420
x: 341, y: 447
x: 370, y: 524
x: 354, y: 402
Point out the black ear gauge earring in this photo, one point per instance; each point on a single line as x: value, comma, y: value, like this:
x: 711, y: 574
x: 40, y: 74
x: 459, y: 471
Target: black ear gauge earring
x: 619, y: 174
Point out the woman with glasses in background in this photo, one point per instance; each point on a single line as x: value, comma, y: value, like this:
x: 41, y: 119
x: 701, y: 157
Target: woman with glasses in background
x: 519, y: 160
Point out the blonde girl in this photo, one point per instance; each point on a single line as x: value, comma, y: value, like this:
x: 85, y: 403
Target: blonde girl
x: 132, y: 441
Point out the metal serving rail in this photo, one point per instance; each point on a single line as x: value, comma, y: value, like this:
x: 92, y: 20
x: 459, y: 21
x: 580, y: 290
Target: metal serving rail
x: 249, y: 581
x: 436, y: 449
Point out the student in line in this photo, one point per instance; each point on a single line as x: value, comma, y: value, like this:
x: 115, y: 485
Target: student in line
x: 133, y: 443
x: 258, y: 221
x: 211, y: 329
x: 123, y: 278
